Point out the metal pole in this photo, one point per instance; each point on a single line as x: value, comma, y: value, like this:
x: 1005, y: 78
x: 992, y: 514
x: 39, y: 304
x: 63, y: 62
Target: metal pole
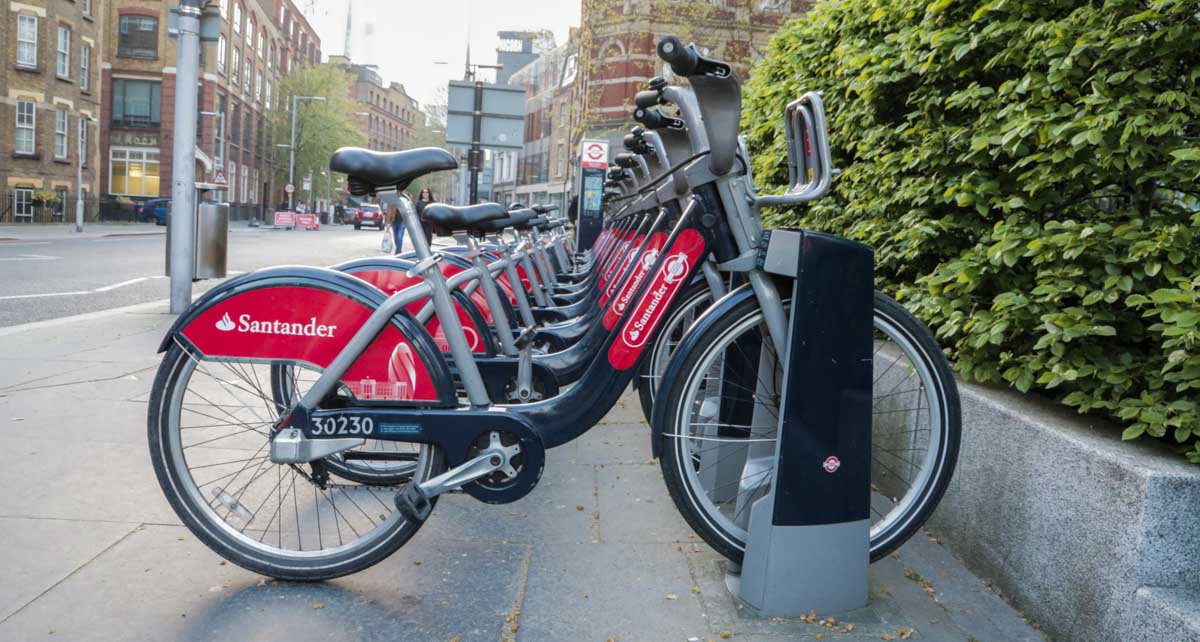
x: 183, y: 183
x: 476, y: 151
x: 79, y: 174
x: 292, y: 158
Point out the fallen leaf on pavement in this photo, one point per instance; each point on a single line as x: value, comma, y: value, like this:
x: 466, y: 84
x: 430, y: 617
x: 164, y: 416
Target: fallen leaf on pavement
x: 905, y: 633
x: 672, y: 596
x: 318, y: 605
x: 695, y: 589
x: 725, y: 635
x: 579, y: 507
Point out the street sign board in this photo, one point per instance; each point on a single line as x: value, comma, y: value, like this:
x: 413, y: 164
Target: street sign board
x: 218, y: 177
x: 307, y: 184
x: 502, y: 118
x: 285, y: 219
x: 308, y: 221
x: 289, y: 188
x: 594, y: 153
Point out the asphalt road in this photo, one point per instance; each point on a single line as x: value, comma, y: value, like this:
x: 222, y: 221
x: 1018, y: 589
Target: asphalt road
x: 52, y: 278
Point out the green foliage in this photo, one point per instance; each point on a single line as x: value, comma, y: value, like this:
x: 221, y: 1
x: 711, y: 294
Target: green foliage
x: 321, y: 126
x: 1026, y: 172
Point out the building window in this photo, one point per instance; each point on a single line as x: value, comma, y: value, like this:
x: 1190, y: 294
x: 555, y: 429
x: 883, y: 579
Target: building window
x: 222, y: 45
x: 85, y: 67
x: 83, y: 142
x: 246, y: 183
x: 133, y: 172
x: 87, y: 8
x: 60, y: 195
x: 250, y: 31
x: 235, y: 68
x: 268, y: 94
x: 232, y: 173
x: 237, y: 18
x: 63, y: 65
x: 26, y: 127
x: 27, y: 41
x: 262, y: 44
x: 254, y: 188
x: 136, y: 103
x: 258, y: 88
x: 23, y: 203
x: 249, y: 75
x: 219, y: 143
x: 137, y: 37
x: 60, y: 133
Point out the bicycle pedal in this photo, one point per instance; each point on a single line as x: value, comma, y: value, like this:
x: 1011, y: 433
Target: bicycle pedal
x: 413, y: 504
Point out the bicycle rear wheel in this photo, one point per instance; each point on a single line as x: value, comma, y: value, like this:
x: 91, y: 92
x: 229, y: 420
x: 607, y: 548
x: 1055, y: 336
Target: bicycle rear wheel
x: 210, y: 427
x: 719, y: 441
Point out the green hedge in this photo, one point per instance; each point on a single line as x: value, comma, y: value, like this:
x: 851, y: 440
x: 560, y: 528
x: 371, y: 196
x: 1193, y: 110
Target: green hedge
x: 1026, y: 171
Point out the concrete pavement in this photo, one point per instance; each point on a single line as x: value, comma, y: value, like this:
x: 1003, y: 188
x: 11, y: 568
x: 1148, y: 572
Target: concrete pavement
x: 596, y: 552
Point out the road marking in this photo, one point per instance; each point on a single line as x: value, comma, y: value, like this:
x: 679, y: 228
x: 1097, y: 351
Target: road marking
x: 79, y: 292
x: 23, y: 243
x: 30, y: 257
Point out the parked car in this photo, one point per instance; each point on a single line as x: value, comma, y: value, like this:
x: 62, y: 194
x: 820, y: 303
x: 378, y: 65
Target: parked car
x: 155, y: 210
x: 367, y: 214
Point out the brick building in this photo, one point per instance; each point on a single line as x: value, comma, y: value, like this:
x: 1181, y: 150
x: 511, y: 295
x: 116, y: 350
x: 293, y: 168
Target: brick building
x: 618, y: 39
x: 539, y: 173
x: 388, y: 116
x: 261, y: 40
x: 50, y: 96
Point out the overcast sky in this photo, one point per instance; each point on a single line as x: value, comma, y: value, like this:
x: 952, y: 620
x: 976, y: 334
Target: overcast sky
x: 406, y: 37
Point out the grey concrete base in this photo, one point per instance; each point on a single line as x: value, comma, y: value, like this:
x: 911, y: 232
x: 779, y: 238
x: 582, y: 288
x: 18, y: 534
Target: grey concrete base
x: 1066, y: 520
x: 1167, y: 615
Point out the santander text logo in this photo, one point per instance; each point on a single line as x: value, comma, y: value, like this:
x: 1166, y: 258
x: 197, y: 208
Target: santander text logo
x: 248, y: 325
x: 647, y: 263
x: 638, y: 332
x: 225, y: 324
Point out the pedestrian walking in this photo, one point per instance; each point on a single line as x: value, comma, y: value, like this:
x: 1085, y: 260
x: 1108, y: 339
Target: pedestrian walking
x: 395, y: 223
x: 425, y: 198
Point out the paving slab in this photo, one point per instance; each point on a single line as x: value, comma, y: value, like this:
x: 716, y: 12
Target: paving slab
x: 32, y: 568
x: 160, y: 583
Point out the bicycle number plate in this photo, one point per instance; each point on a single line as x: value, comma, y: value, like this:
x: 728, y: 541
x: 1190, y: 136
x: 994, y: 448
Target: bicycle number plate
x: 342, y: 425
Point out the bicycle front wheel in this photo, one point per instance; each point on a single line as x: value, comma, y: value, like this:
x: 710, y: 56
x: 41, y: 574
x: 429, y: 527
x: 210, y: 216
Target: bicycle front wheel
x: 719, y: 441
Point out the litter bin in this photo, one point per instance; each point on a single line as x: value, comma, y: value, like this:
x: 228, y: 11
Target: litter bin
x: 212, y: 241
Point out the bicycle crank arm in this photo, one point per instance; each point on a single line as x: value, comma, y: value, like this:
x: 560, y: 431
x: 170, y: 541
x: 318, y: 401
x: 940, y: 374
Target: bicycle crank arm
x: 414, y: 501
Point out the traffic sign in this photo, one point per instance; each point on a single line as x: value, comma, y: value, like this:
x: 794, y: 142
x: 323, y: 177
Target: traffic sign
x: 308, y: 183
x: 594, y: 154
x: 289, y: 188
x: 218, y: 177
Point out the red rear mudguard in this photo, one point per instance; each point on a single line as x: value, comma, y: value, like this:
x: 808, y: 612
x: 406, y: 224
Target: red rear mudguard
x: 308, y: 315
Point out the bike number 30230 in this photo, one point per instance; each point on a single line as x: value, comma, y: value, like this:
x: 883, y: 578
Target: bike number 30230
x: 343, y: 425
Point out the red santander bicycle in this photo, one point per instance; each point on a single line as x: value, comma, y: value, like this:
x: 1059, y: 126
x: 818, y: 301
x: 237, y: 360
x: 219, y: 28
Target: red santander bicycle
x: 304, y: 422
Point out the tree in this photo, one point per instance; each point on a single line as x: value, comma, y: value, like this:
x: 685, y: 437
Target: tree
x: 321, y: 126
x: 431, y: 132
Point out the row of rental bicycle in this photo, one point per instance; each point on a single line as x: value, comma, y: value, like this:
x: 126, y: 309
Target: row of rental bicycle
x: 305, y: 421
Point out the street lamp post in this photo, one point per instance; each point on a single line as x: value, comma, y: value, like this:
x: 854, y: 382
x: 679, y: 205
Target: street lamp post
x: 475, y: 155
x: 292, y: 149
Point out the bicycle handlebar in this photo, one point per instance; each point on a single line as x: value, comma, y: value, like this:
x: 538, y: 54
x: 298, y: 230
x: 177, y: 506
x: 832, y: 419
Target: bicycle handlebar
x: 646, y: 98
x: 683, y: 60
x: 718, y: 95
